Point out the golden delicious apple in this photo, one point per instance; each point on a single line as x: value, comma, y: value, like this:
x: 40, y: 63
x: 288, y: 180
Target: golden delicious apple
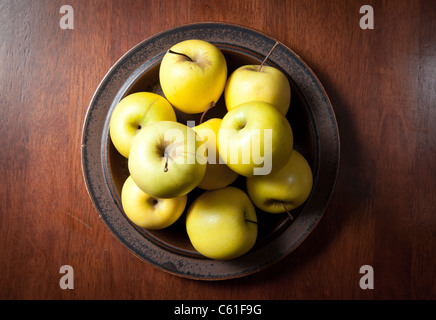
x: 222, y: 224
x: 218, y: 174
x: 134, y: 112
x: 192, y: 75
x: 149, y: 212
x: 255, y: 139
x: 167, y: 159
x: 290, y: 186
x: 256, y: 83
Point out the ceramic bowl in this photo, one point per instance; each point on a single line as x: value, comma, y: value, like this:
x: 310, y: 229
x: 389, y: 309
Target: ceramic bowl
x: 311, y: 117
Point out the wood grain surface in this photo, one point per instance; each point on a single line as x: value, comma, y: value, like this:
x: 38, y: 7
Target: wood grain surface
x: 382, y: 85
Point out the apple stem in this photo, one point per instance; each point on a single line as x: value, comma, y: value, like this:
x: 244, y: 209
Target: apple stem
x: 212, y: 104
x: 287, y: 211
x: 267, y: 56
x: 251, y: 221
x: 166, y: 163
x: 181, y: 54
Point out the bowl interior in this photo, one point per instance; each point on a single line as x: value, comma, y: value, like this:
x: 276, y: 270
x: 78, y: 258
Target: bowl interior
x: 174, y: 238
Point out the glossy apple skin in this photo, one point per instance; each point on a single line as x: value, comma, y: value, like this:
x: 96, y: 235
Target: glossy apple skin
x: 149, y: 212
x: 291, y: 185
x: 247, y: 84
x: 239, y: 128
x: 135, y: 112
x: 218, y: 174
x: 222, y: 224
x: 167, y: 142
x: 191, y: 86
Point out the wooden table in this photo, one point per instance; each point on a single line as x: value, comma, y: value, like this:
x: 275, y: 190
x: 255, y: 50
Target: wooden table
x: 382, y: 86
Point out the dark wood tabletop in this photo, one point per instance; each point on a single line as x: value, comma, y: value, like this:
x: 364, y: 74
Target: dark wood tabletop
x: 381, y: 81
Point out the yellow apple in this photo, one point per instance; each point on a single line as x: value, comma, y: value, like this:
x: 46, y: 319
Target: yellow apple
x: 167, y: 159
x: 134, y: 112
x: 192, y: 75
x: 149, y: 212
x: 290, y: 186
x: 222, y: 224
x: 251, y: 83
x: 255, y: 139
x: 218, y: 174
